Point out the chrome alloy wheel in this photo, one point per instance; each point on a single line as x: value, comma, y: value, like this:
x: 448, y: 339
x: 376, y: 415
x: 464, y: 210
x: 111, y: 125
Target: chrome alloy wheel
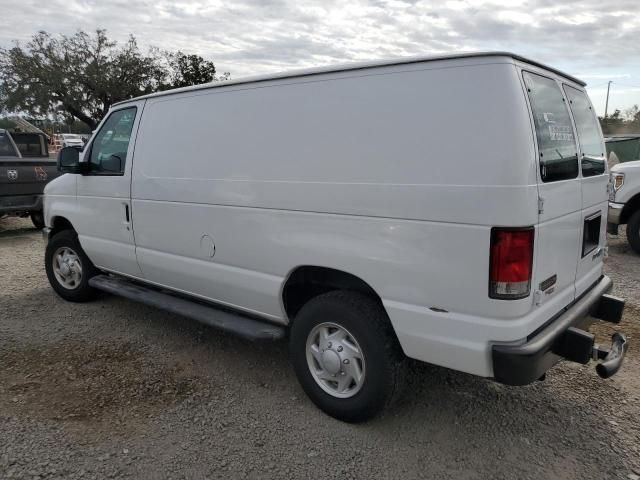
x: 67, y: 268
x: 335, y: 360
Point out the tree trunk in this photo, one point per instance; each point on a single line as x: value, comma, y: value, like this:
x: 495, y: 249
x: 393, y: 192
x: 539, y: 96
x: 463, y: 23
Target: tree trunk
x: 86, y: 119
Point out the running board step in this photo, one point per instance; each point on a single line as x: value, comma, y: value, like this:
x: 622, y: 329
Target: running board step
x: 237, y: 324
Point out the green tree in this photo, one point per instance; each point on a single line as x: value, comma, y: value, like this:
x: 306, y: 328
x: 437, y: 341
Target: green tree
x: 6, y: 124
x: 186, y: 70
x: 612, y: 123
x: 81, y: 76
x: 632, y: 116
x: 622, y: 123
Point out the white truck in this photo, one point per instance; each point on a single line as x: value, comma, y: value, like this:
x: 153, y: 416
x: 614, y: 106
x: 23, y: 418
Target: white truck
x: 624, y: 201
x: 448, y: 209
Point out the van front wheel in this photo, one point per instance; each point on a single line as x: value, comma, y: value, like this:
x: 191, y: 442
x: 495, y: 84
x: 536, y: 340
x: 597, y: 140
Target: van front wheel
x: 345, y: 355
x: 68, y: 267
x: 633, y: 231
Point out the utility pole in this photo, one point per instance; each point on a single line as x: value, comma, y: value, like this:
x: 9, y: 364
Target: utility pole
x: 606, y: 105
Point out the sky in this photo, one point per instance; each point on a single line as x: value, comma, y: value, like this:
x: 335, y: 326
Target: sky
x: 595, y: 40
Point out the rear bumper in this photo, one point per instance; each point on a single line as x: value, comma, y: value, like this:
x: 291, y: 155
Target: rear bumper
x: 20, y: 203
x: 564, y: 338
x: 615, y: 212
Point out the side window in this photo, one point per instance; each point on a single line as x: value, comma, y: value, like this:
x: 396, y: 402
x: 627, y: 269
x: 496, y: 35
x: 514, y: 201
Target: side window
x: 109, y: 148
x: 6, y: 147
x: 593, y: 158
x: 554, y: 131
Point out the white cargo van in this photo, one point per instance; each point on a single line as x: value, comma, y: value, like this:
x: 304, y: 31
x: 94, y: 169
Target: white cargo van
x: 447, y: 209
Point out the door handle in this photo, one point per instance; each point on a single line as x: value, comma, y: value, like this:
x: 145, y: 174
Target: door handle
x: 127, y: 217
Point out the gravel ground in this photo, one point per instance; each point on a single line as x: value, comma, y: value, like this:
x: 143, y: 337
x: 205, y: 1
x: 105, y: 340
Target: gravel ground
x: 114, y: 389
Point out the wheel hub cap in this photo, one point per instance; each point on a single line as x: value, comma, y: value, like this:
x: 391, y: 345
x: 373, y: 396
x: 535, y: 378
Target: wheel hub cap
x: 67, y: 268
x: 335, y: 360
x: 331, y: 361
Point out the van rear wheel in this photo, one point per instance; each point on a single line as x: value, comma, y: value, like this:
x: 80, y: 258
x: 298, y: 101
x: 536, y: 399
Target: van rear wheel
x: 633, y: 231
x: 68, y: 267
x: 346, y: 355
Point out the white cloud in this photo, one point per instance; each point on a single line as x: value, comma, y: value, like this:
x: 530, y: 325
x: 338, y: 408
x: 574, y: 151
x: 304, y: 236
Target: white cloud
x: 258, y: 36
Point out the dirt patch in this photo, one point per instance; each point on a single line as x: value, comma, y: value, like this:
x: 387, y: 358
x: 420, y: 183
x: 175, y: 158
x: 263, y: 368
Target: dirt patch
x: 15, y: 226
x: 630, y: 326
x: 90, y: 384
x: 115, y: 389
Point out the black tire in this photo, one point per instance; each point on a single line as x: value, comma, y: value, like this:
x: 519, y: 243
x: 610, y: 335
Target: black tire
x: 83, y: 292
x: 633, y: 231
x: 365, y: 319
x: 37, y: 218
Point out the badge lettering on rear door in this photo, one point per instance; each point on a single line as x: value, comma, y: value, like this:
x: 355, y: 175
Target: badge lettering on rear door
x: 548, y: 283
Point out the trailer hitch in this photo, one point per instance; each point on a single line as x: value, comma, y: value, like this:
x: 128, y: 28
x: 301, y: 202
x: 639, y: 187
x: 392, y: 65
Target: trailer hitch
x: 611, y: 358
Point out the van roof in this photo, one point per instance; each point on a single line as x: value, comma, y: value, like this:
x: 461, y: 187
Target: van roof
x: 353, y: 66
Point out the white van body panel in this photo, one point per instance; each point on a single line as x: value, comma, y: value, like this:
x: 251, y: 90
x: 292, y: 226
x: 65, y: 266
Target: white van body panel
x: 60, y: 198
x: 393, y: 173
x: 275, y: 195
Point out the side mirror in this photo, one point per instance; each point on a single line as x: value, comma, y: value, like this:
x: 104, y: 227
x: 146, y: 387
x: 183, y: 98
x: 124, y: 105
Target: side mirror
x: 111, y: 164
x: 69, y: 161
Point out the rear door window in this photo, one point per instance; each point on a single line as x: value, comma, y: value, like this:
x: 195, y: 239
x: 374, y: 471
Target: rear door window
x: 554, y: 130
x: 593, y: 158
x: 31, y: 144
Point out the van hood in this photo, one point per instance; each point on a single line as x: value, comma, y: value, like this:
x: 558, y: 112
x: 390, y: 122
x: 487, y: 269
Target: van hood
x: 63, y: 185
x: 626, y: 167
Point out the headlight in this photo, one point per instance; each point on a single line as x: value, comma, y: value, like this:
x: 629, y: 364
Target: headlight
x: 618, y: 181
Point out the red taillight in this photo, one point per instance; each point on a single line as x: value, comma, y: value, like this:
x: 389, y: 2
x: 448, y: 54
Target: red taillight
x: 511, y: 262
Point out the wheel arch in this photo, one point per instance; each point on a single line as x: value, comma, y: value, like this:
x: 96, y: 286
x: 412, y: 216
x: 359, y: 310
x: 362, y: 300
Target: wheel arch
x: 60, y: 223
x: 305, y: 282
x: 630, y: 207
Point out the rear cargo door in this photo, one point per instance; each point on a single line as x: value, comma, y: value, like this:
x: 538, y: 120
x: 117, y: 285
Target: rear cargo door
x: 559, y: 189
x: 594, y: 183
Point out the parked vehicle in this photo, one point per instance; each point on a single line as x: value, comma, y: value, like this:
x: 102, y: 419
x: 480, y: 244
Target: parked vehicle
x: 62, y: 140
x: 25, y: 168
x: 624, y: 201
x: 624, y: 148
x: 71, y: 140
x: 338, y: 207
